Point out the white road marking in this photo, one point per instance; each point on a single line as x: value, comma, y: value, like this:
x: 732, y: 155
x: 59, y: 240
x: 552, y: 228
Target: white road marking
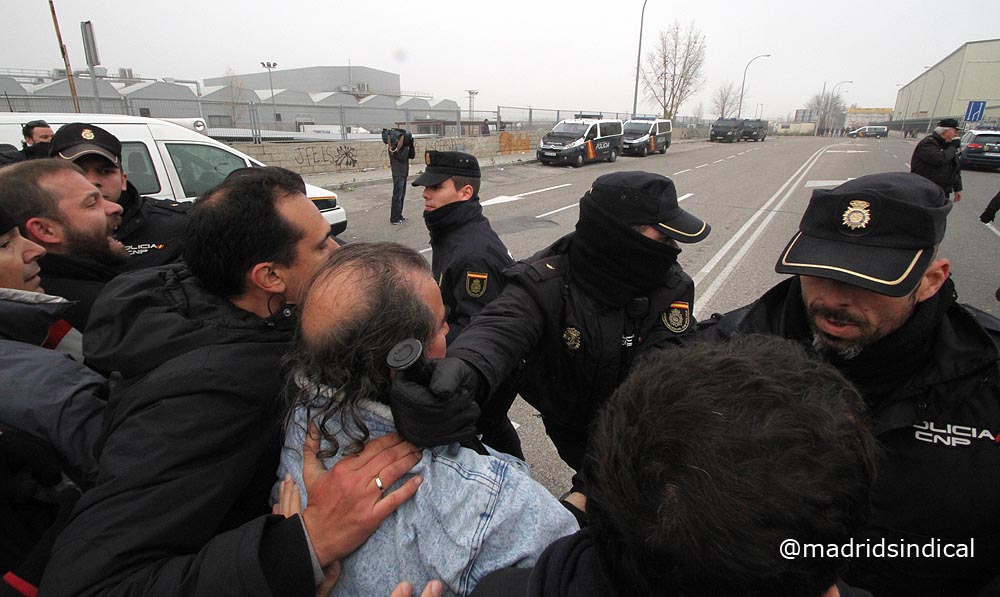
x: 717, y: 161
x: 848, y: 151
x: 681, y: 172
x: 741, y: 153
x: 825, y: 183
x: 509, y: 198
x: 995, y: 231
x: 549, y: 213
x: 427, y: 250
x: 684, y: 196
x: 730, y: 157
x: 701, y: 166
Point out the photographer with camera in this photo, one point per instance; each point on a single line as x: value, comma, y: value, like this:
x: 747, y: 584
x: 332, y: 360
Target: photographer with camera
x: 401, y: 151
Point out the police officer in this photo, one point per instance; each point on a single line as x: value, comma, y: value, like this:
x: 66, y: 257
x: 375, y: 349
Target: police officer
x: 936, y: 158
x: 152, y: 230
x: 37, y: 135
x: 871, y: 296
x: 467, y: 265
x: 581, y: 311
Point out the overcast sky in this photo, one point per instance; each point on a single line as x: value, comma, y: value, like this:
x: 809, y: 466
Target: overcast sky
x: 566, y: 55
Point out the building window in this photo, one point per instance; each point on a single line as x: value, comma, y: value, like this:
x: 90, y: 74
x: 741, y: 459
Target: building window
x: 145, y: 112
x: 277, y: 117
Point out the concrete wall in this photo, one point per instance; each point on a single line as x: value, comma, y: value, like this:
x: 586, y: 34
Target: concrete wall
x: 348, y: 156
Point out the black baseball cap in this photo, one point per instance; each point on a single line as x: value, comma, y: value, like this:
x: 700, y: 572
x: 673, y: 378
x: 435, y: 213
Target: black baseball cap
x: 76, y: 140
x: 950, y: 123
x: 442, y: 165
x: 634, y: 198
x: 877, y: 232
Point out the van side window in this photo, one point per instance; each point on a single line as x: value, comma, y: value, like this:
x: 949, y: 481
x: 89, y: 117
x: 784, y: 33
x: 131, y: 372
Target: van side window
x: 592, y: 133
x: 611, y: 128
x: 139, y: 168
x: 201, y: 167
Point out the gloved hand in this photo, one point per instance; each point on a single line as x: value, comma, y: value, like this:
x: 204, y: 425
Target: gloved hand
x: 25, y: 463
x: 444, y: 413
x: 987, y: 216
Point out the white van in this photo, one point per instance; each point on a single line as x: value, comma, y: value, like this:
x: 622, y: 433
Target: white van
x: 585, y: 138
x: 167, y: 160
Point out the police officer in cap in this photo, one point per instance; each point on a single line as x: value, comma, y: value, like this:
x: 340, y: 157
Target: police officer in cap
x: 152, y: 230
x: 467, y: 265
x: 870, y: 295
x: 936, y: 158
x: 581, y: 311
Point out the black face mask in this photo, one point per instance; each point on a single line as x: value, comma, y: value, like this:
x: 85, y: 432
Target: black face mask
x: 38, y: 150
x: 614, y: 263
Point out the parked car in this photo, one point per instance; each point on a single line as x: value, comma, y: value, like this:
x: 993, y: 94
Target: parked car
x: 980, y: 149
x: 585, y: 138
x: 870, y: 131
x: 645, y: 135
x: 754, y: 130
x: 168, y: 160
x: 726, y: 129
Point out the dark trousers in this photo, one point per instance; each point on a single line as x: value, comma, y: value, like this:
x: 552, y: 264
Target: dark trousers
x: 398, y: 193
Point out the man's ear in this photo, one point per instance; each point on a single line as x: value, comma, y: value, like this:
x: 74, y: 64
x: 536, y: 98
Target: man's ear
x: 124, y: 180
x: 44, y: 231
x: 266, y: 277
x: 466, y: 192
x: 933, y: 279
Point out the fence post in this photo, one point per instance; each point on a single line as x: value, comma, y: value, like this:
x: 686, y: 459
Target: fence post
x: 529, y: 117
x: 343, y: 123
x: 458, y: 122
x: 406, y: 117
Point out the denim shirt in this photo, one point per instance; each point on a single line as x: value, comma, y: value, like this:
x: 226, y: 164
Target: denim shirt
x: 472, y: 515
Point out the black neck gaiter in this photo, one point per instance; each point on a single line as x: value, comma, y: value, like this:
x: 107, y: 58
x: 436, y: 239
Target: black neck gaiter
x: 454, y: 215
x: 612, y: 262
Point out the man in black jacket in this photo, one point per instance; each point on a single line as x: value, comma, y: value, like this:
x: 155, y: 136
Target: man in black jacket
x: 152, y: 230
x: 871, y: 296
x: 581, y: 311
x: 63, y: 212
x: 936, y: 158
x: 193, y: 423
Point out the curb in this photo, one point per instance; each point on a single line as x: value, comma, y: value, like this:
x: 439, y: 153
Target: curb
x: 348, y: 186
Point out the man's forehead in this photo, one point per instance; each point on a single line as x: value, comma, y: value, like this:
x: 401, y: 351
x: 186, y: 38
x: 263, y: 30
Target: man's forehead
x: 67, y: 185
x: 93, y: 160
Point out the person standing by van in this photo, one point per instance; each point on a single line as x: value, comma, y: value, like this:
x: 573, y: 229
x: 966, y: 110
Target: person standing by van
x: 152, y: 230
x: 936, y: 158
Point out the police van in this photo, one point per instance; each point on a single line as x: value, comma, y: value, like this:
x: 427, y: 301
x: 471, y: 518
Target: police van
x: 646, y: 134
x: 585, y: 138
x: 168, y: 160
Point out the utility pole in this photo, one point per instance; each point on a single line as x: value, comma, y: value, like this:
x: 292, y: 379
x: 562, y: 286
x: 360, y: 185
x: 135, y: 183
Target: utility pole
x: 65, y: 55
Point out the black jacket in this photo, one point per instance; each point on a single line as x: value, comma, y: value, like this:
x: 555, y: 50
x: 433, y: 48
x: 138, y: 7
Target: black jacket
x: 938, y: 425
x: 180, y: 505
x: 576, y: 350
x: 469, y: 260
x: 78, y: 279
x: 152, y: 230
x: 937, y: 160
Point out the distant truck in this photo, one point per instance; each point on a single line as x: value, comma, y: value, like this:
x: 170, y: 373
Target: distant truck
x: 726, y: 129
x: 754, y: 130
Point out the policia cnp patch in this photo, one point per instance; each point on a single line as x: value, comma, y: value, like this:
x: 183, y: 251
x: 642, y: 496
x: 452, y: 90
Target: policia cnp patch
x: 475, y: 284
x: 678, y: 317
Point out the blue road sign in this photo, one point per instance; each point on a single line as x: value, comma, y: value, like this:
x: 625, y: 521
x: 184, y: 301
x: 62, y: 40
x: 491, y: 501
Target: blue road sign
x: 974, y: 113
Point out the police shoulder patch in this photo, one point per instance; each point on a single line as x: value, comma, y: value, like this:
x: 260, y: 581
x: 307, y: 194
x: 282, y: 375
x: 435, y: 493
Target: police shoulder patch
x: 677, y: 318
x: 475, y: 283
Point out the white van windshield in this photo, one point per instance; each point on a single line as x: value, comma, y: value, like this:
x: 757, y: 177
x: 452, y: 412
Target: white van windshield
x: 570, y: 128
x: 637, y: 127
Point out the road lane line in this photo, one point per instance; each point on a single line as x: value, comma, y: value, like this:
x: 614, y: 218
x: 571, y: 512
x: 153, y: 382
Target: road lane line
x: 825, y: 183
x: 427, y: 250
x: 684, y: 196
x: 543, y: 190
x: 995, y: 231
x: 554, y: 211
x: 701, y: 166
x: 681, y: 172
x: 509, y: 198
x: 730, y: 157
x: 717, y: 161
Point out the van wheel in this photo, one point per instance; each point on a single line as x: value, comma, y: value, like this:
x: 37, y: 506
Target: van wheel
x: 642, y: 154
x: 578, y: 161
x: 664, y: 148
x: 614, y: 156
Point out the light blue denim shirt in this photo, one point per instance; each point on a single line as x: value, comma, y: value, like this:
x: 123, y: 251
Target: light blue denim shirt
x: 472, y: 515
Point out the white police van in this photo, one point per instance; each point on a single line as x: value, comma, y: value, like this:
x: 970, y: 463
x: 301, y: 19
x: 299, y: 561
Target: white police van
x: 167, y: 160
x: 585, y: 138
x: 647, y: 134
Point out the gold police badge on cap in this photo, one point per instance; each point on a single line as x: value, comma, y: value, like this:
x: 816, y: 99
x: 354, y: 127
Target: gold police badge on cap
x: 857, y: 214
x: 678, y: 317
x: 427, y: 158
x: 475, y: 283
x: 571, y: 338
x: 87, y: 134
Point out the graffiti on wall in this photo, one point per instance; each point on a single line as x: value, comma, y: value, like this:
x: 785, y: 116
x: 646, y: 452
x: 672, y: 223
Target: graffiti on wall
x: 343, y: 156
x: 511, y: 142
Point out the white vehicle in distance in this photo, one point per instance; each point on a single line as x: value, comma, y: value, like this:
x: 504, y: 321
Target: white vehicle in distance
x: 167, y: 160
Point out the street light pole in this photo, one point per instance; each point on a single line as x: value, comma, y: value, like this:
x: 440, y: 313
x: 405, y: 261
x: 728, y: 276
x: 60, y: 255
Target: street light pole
x: 739, y: 111
x: 274, y: 107
x: 638, y: 60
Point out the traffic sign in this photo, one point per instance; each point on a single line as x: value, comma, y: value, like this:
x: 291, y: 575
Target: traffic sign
x: 974, y: 113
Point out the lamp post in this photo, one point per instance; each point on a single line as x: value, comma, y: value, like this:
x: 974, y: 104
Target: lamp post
x: 739, y: 111
x: 274, y: 107
x: 938, y: 98
x: 638, y: 60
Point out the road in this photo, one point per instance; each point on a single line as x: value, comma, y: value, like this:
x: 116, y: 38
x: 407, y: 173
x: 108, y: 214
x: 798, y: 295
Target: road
x: 753, y: 195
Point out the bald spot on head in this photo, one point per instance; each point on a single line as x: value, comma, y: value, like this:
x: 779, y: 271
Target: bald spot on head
x: 333, y: 297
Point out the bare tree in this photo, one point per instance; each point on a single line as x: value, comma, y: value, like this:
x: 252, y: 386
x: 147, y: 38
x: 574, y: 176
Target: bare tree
x: 699, y: 112
x: 232, y: 98
x: 674, y: 68
x: 829, y: 110
x: 725, y: 99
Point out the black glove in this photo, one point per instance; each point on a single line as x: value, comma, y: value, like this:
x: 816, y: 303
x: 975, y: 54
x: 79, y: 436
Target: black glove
x: 442, y: 414
x: 25, y: 463
x: 987, y: 216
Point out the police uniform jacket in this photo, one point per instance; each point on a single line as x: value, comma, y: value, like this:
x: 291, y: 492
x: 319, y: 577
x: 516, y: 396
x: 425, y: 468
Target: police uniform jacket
x: 937, y: 160
x: 469, y: 260
x: 576, y: 349
x: 152, y: 230
x: 935, y: 404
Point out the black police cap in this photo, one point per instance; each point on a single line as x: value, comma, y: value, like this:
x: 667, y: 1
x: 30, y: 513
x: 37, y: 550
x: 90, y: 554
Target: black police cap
x: 78, y: 139
x: 442, y: 165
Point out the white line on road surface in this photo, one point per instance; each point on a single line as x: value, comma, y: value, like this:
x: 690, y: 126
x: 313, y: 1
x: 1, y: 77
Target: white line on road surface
x: 717, y: 161
x: 427, y: 250
x: 848, y: 151
x: 741, y: 153
x: 549, y: 213
x: 895, y: 156
x: 825, y: 183
x: 730, y: 157
x: 509, y: 198
x: 995, y: 231
x: 684, y: 196
x: 701, y: 166
x: 907, y: 164
x: 681, y: 172
x: 790, y: 184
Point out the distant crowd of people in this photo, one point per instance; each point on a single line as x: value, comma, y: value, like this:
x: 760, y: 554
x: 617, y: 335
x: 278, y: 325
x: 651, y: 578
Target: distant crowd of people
x: 222, y: 398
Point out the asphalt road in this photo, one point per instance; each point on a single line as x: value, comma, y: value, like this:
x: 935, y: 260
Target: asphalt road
x: 753, y: 195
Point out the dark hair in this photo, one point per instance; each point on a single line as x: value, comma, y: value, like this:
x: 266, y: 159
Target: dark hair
x: 236, y: 225
x: 461, y: 181
x: 22, y: 195
x: 706, y: 458
x: 345, y: 363
x: 29, y: 128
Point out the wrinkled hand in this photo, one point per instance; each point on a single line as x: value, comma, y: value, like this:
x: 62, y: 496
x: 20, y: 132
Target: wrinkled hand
x: 405, y: 589
x: 25, y: 463
x: 345, y: 506
x: 443, y: 413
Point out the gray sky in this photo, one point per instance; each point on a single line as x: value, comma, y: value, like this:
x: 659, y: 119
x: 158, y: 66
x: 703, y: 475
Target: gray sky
x: 566, y: 55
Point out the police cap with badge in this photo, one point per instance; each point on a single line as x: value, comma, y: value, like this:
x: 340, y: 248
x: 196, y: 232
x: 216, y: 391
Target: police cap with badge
x: 76, y: 140
x: 876, y: 232
x: 442, y: 165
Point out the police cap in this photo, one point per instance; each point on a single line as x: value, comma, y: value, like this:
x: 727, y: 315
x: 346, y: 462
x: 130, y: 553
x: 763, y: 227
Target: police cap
x: 442, y: 165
